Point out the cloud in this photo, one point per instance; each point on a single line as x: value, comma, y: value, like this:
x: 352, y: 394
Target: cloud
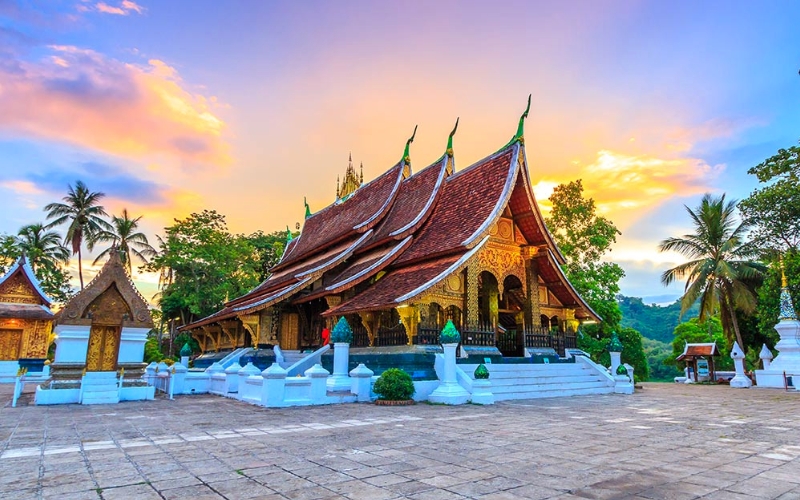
x: 82, y: 97
x: 625, y: 185
x: 124, y: 8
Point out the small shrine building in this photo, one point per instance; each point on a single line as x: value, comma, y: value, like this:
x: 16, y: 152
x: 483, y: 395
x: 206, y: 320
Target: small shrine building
x: 699, y: 359
x: 25, y: 321
x: 400, y: 255
x: 100, y: 332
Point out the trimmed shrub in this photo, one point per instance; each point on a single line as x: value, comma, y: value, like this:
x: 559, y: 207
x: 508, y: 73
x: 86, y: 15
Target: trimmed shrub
x: 394, y: 385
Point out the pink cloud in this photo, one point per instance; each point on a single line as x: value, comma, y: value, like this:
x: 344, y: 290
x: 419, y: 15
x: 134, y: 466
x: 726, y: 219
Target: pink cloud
x: 83, y: 97
x: 124, y: 8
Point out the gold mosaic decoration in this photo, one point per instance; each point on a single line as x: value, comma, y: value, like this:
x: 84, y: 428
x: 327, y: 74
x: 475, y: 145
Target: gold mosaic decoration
x: 17, y: 290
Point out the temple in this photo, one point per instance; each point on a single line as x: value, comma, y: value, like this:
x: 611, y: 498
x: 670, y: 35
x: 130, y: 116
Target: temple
x: 25, y: 321
x: 402, y: 254
x: 100, y: 337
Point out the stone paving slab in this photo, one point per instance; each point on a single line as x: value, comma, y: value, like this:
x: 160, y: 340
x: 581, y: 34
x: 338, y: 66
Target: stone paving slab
x: 666, y: 442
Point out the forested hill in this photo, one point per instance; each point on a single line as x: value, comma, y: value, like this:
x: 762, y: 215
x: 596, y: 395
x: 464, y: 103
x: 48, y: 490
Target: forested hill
x: 652, y: 321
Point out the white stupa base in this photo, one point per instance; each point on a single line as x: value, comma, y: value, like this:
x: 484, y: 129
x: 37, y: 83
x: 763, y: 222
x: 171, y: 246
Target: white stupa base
x: 449, y: 394
x: 622, y: 385
x: 339, y: 383
x: 774, y: 379
x: 482, y: 392
x: 741, y: 382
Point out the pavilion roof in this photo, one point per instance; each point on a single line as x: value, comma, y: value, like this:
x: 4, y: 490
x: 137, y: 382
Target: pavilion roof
x: 691, y: 351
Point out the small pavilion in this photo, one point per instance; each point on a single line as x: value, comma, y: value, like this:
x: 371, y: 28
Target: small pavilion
x: 25, y: 321
x: 694, y: 354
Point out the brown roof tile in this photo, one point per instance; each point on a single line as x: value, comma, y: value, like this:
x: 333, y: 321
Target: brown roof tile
x: 395, y: 284
x: 414, y: 202
x: 360, y: 212
x: 698, y: 350
x: 466, y: 201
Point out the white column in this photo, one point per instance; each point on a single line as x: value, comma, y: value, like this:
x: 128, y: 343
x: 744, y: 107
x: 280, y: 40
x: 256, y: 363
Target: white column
x: 361, y: 384
x: 232, y: 377
x: 274, y: 388
x: 766, y: 356
x: 340, y: 381
x: 740, y: 381
x: 449, y: 391
x: 615, y: 362
x: 318, y: 376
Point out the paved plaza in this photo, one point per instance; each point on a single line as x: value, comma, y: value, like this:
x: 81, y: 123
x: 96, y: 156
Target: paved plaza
x: 665, y: 442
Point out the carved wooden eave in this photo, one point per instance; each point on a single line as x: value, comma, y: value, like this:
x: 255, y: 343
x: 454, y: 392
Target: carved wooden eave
x: 112, y: 273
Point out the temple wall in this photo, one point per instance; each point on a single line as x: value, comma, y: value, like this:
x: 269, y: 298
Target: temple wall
x: 32, y: 342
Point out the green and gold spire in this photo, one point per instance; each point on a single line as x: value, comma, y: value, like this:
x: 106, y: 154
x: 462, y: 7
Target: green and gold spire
x: 350, y: 182
x: 288, y: 235
x: 520, y: 135
x: 451, y: 164
x: 407, y: 154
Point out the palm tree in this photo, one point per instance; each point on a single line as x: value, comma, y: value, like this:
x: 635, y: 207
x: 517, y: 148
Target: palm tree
x: 719, y: 273
x: 125, y: 240
x: 42, y: 247
x: 84, y: 215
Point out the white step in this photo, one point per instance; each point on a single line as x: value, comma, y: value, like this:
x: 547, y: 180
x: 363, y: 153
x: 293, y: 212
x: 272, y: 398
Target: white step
x: 526, y: 381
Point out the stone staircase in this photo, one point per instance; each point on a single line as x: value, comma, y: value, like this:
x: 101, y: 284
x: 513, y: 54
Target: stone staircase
x: 100, y: 388
x: 292, y: 357
x: 528, y: 381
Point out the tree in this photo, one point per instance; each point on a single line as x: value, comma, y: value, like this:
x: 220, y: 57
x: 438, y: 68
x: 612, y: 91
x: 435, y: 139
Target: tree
x: 695, y: 331
x: 43, y: 248
x: 202, y: 264
x: 719, y: 273
x: 126, y: 240
x: 84, y: 215
x: 773, y: 211
x: 584, y: 238
x: 269, y: 248
x: 46, y: 255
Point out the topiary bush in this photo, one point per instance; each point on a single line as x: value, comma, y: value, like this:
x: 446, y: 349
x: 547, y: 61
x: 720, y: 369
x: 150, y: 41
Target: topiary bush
x: 394, y: 385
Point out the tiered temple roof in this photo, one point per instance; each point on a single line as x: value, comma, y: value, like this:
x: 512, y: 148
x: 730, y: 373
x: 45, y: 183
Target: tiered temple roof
x: 21, y: 294
x: 408, y: 232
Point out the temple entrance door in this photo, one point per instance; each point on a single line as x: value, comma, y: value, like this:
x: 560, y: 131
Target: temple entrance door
x: 10, y: 341
x: 103, y: 349
x: 290, y: 331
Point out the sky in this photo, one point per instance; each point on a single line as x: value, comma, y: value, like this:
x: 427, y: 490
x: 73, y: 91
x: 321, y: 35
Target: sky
x: 247, y: 107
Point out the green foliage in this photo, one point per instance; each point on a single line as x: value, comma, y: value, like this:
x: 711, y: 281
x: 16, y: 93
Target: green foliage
x: 584, y: 238
x: 774, y: 209
x: 720, y: 272
x: 394, y: 385
x: 695, y: 331
x: 124, y: 236
x: 269, y: 248
x: 342, y: 332
x: 45, y: 253
x: 450, y: 334
x: 770, y: 291
x: 653, y: 321
x: 201, y: 264
x: 151, y: 351
x: 591, y: 340
x: 83, y: 214
x: 659, y: 359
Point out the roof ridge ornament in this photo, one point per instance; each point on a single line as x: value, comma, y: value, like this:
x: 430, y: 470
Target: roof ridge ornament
x: 406, y: 155
x: 308, y: 209
x: 520, y: 135
x: 288, y: 235
x: 449, y: 150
